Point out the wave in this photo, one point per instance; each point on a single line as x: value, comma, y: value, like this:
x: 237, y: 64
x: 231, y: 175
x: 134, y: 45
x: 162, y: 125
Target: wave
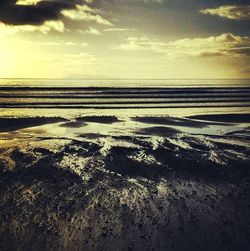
x: 113, y: 97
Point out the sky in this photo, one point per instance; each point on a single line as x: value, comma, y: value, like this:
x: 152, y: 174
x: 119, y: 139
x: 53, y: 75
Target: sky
x: 171, y: 39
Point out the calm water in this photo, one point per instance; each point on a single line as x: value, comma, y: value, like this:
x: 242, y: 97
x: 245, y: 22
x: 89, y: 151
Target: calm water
x: 123, y: 83
x: 156, y: 95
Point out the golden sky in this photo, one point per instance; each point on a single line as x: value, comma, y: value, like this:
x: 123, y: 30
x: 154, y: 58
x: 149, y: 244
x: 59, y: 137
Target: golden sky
x: 124, y: 39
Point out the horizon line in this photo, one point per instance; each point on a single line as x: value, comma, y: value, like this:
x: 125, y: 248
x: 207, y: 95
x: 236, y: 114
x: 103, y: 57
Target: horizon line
x: 125, y: 78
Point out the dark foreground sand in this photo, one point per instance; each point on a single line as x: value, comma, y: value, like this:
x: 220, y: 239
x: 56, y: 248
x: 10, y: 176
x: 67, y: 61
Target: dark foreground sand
x: 111, y: 184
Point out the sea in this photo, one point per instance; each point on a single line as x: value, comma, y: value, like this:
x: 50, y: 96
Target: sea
x: 71, y: 97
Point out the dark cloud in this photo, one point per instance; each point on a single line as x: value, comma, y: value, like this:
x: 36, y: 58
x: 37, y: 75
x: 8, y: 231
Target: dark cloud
x: 242, y: 51
x: 13, y: 14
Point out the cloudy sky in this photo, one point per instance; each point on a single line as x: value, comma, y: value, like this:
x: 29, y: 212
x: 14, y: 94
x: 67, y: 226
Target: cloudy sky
x: 125, y: 38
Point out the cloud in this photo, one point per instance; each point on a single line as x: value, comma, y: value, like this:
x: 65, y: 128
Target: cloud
x: 83, y: 12
x: 44, y: 28
x: 25, y: 13
x: 119, y: 29
x: 214, y: 46
x: 92, y: 31
x: 28, y: 2
x: 36, y: 12
x: 46, y: 15
x: 234, y: 12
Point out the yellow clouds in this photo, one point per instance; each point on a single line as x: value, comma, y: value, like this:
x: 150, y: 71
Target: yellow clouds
x: 119, y: 29
x: 143, y: 43
x: 45, y: 28
x: 54, y: 38
x: 235, y: 12
x: 28, y: 2
x: 66, y: 17
x: 221, y: 56
x: 92, y: 31
x: 83, y: 12
x: 223, y: 45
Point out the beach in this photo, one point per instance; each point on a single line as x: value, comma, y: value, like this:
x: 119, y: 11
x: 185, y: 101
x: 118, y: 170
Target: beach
x: 124, y: 125
x: 133, y: 183
x: 124, y: 168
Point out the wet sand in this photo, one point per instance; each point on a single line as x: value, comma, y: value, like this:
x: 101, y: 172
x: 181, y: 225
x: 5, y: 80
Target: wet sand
x: 13, y: 124
x: 241, y: 118
x: 99, y: 119
x: 119, y: 183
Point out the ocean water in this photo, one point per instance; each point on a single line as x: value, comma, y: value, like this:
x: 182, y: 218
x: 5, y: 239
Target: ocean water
x: 124, y: 82
x: 171, y: 97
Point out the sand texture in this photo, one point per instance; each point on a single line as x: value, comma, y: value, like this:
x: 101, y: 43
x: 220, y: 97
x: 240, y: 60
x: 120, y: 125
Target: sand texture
x: 120, y: 183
